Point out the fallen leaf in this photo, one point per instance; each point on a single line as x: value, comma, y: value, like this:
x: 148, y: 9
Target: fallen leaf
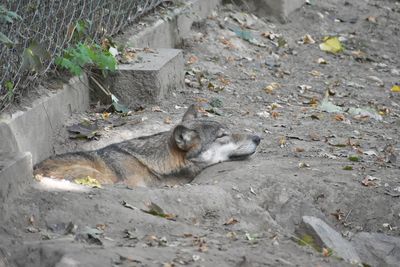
x: 395, y: 89
x: 340, y: 117
x: 326, y: 252
x: 156, y: 210
x: 282, y: 141
x: 88, y: 181
x: 315, y: 117
x: 167, y: 120
x: 85, y: 129
x: 358, y: 54
x: 372, y: 19
x: 192, y: 59
x: 274, y: 114
x: 101, y: 226
x: 365, y: 112
x: 224, y: 80
x: 274, y: 106
x: 331, y: 45
x: 322, y: 61
x: 338, y: 214
x: 232, y: 235
x: 370, y: 181
x: 156, y: 109
x: 271, y: 87
x: 299, y: 149
x: 304, y: 165
x: 252, y: 191
x: 307, y: 39
x: 315, y: 73
x: 250, y: 237
x: 105, y: 115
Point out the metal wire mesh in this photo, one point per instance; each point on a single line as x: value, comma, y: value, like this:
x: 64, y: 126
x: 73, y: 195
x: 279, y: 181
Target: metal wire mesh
x: 48, y: 22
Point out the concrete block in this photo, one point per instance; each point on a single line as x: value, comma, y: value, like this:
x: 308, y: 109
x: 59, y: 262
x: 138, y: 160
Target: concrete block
x: 323, y: 236
x: 168, y: 33
x: 280, y: 9
x: 8, y: 145
x: 195, y: 10
x: 34, y: 129
x: 148, y: 80
x: 15, y: 176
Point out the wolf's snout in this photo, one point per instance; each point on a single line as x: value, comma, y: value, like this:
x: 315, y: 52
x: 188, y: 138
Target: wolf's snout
x: 256, y: 139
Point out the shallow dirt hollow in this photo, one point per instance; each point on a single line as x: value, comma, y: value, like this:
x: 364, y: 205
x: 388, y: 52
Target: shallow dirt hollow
x: 310, y: 161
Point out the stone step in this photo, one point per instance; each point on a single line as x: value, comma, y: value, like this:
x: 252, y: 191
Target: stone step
x: 280, y: 9
x: 152, y: 77
x: 15, y: 176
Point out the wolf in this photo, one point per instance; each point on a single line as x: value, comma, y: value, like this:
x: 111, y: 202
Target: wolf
x: 163, y: 159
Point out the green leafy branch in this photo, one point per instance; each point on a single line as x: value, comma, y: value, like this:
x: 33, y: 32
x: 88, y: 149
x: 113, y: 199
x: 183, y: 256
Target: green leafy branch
x: 77, y: 58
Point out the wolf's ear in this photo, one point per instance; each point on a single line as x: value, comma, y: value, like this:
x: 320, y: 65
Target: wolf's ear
x: 185, y: 138
x: 194, y: 111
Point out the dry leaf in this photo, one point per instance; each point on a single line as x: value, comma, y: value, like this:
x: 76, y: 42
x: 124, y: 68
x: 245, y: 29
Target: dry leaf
x: 282, y: 141
x: 395, y: 88
x: 231, y: 221
x: 156, y: 109
x: 192, y: 59
x: 372, y: 19
x: 105, y: 115
x: 315, y: 73
x: 168, y: 120
x: 271, y: 87
x: 224, y: 80
x: 322, y: 61
x: 326, y: 252
x: 370, y: 181
x: 338, y: 214
x: 340, y: 117
x: 331, y: 45
x: 307, y: 39
x: 101, y: 226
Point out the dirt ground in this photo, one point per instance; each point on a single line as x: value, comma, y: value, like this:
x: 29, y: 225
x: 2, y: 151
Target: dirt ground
x: 340, y: 167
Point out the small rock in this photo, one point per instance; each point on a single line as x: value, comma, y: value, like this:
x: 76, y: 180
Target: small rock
x: 325, y: 237
x: 377, y: 80
x: 395, y: 72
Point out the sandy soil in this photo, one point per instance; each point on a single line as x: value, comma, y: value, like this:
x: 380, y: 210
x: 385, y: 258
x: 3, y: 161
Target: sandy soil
x: 302, y: 167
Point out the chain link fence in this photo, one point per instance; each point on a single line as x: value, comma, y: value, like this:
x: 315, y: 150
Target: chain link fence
x: 46, y: 27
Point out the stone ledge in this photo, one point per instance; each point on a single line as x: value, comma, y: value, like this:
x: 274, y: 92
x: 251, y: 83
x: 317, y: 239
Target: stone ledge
x: 169, y: 33
x: 33, y: 129
x: 15, y: 176
x: 148, y: 80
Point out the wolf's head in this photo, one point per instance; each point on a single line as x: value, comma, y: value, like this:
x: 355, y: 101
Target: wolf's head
x: 207, y: 142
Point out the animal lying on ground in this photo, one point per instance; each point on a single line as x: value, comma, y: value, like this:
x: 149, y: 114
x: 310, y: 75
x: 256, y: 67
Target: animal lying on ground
x: 165, y: 158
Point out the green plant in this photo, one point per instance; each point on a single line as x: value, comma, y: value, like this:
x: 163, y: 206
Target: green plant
x: 8, y: 17
x: 10, y: 89
x: 81, y: 56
